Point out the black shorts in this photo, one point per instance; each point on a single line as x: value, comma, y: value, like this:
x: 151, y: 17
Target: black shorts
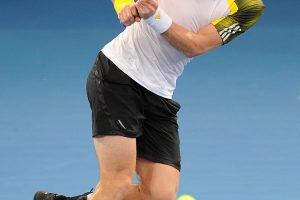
x: 120, y: 106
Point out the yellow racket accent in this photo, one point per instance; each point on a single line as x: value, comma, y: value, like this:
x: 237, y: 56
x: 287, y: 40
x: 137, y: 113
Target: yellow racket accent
x: 120, y: 4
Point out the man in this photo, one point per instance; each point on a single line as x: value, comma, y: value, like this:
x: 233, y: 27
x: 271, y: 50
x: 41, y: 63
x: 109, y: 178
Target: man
x: 131, y: 85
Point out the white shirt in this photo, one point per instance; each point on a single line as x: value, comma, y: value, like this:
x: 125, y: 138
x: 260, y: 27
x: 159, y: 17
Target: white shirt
x: 148, y: 58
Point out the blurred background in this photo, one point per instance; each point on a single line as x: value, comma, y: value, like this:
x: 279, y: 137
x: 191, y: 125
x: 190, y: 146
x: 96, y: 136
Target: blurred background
x: 240, y: 116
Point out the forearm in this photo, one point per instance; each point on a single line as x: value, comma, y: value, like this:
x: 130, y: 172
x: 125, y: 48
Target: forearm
x: 243, y: 15
x: 190, y: 43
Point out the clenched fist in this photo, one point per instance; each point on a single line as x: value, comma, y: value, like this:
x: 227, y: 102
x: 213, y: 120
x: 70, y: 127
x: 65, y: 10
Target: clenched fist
x: 146, y: 8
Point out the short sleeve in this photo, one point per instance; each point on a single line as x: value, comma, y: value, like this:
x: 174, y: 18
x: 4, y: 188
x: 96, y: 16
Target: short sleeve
x: 243, y: 15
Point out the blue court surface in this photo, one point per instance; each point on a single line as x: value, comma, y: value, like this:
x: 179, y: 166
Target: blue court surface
x: 239, y: 122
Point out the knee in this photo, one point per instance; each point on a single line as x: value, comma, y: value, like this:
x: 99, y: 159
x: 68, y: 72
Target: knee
x: 160, y: 192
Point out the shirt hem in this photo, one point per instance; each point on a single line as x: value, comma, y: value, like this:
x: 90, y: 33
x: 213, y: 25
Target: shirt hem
x: 125, y: 69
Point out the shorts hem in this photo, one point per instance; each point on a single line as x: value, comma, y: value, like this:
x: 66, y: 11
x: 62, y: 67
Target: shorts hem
x: 159, y: 160
x: 115, y: 133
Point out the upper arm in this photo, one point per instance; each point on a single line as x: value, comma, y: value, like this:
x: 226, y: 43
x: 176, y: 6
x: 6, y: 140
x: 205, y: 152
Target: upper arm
x: 244, y: 14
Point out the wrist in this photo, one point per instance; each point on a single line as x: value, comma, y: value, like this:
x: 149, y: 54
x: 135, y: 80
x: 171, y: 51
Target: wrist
x: 160, y: 21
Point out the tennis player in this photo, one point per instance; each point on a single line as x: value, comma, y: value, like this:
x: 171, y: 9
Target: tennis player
x: 130, y: 88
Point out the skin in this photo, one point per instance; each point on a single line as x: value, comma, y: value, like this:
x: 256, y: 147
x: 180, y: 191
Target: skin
x: 129, y: 14
x: 117, y: 163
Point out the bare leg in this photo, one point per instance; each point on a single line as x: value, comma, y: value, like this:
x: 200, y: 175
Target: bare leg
x: 117, y: 159
x: 156, y: 182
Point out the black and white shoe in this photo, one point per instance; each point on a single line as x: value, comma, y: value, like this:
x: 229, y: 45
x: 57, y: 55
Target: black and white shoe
x: 43, y: 195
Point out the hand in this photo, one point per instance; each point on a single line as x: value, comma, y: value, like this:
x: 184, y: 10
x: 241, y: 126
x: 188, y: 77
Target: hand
x: 129, y: 15
x: 146, y: 8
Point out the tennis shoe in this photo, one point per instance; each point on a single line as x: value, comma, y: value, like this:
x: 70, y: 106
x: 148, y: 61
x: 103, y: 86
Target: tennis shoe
x: 43, y: 195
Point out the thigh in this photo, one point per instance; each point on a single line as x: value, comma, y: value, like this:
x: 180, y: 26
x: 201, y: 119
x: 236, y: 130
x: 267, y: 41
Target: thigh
x: 116, y: 156
x: 157, y: 180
